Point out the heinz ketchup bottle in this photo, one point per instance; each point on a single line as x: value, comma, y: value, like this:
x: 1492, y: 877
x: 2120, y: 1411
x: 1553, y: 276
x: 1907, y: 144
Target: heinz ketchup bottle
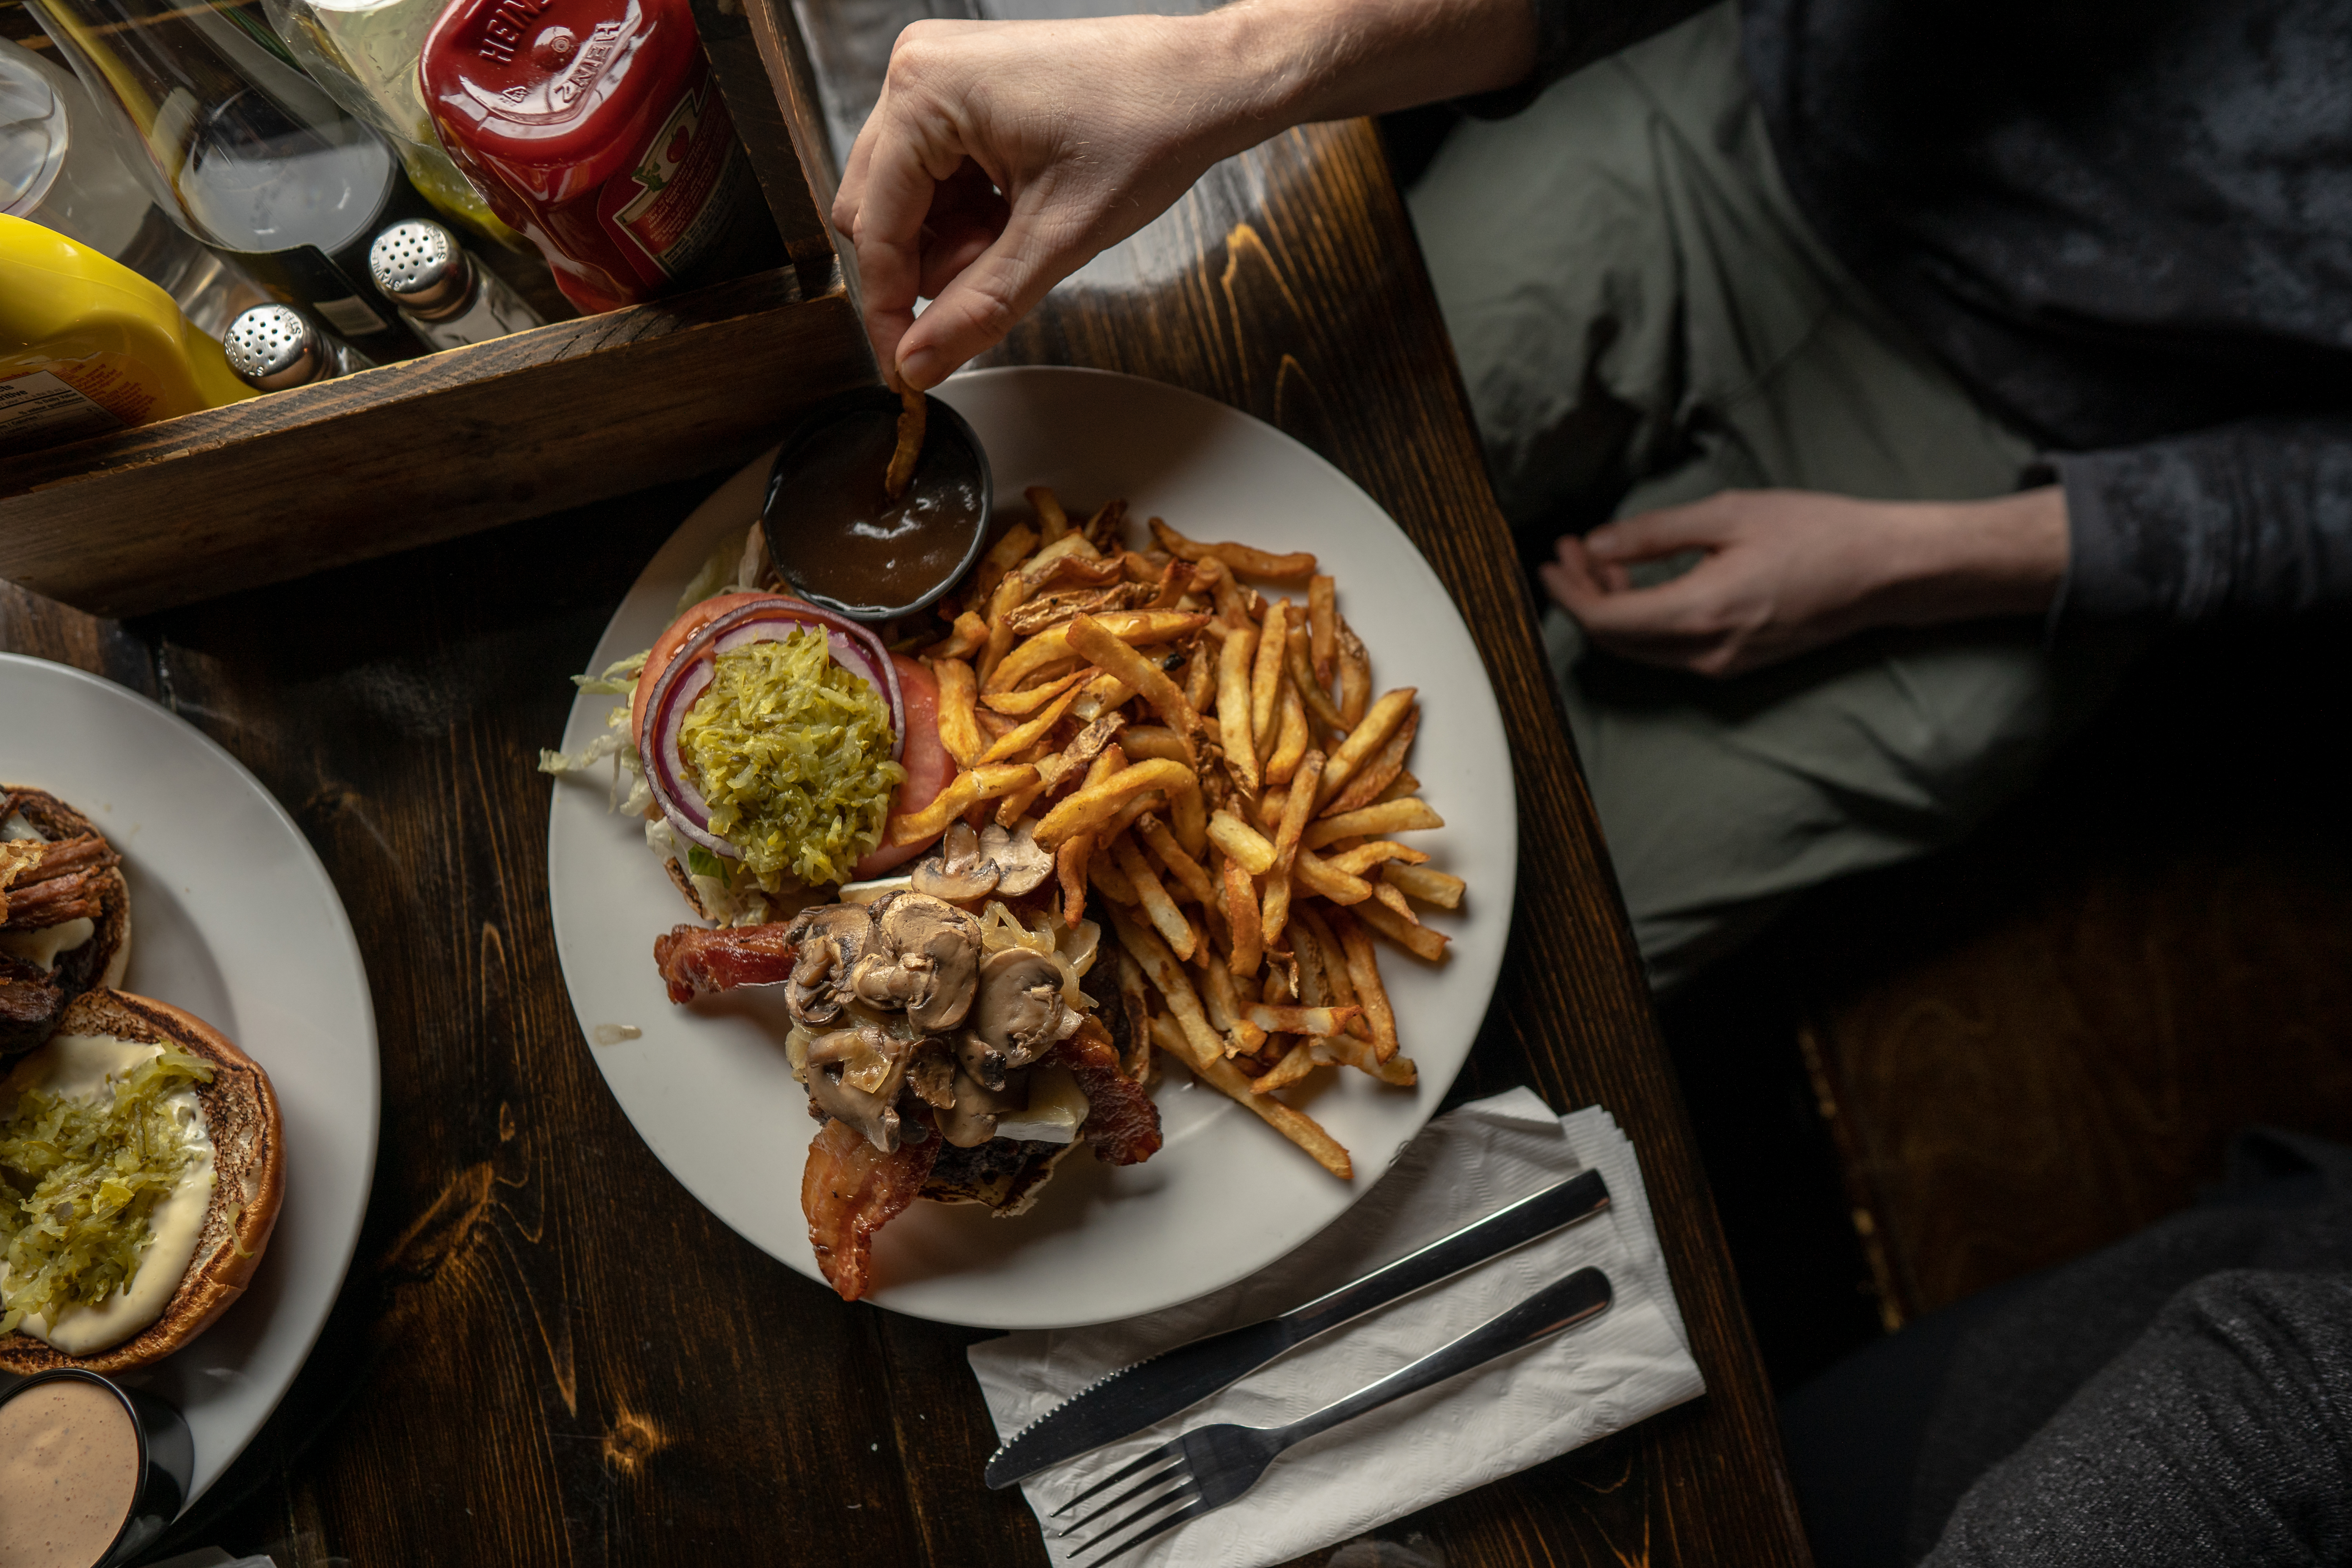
x: 592, y: 127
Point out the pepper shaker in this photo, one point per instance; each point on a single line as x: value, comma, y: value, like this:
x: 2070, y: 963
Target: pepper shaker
x: 445, y: 294
x: 277, y: 346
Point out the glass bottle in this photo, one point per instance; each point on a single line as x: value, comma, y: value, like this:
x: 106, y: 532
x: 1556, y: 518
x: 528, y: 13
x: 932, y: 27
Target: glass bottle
x: 363, y: 53
x: 242, y: 150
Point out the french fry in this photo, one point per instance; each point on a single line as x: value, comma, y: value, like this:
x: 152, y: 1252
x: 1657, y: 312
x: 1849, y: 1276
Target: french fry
x: 1349, y: 1050
x: 1365, y: 858
x: 1265, y: 676
x: 1297, y: 1061
x: 1094, y: 805
x: 1408, y: 815
x: 1175, y: 1034
x: 1009, y: 595
x: 1290, y: 568
x: 1244, y: 845
x: 1173, y: 580
x: 1235, y: 601
x: 1002, y: 557
x: 1299, y: 1020
x: 1104, y: 874
x: 913, y: 411
x: 1234, y: 706
x: 1290, y: 742
x: 1054, y: 522
x: 1274, y: 912
x: 1200, y: 675
x: 1187, y: 814
x: 1020, y: 704
x: 1098, y: 696
x: 1430, y: 887
x: 1029, y: 733
x: 1138, y: 807
x: 1355, y: 676
x: 1241, y: 911
x: 1156, y: 741
x: 962, y: 793
x: 1318, y: 701
x: 959, y: 730
x: 1390, y: 894
x: 1070, y: 866
x: 1364, y: 976
x: 1157, y: 907
x: 1047, y: 565
x: 1319, y: 875
x: 1080, y: 755
x: 1102, y: 530
x: 1364, y: 740
x: 1421, y: 942
x: 1049, y: 646
x: 1402, y: 787
x: 1095, y: 640
x: 1376, y: 775
x: 1190, y: 874
x: 1322, y: 627
x: 1144, y: 571
x: 966, y: 638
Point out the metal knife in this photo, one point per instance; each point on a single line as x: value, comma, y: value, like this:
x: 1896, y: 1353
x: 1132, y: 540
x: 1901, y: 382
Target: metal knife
x: 1129, y: 1400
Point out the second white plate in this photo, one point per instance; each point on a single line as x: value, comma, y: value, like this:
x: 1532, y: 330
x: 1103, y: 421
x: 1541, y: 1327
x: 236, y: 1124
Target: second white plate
x: 708, y: 1087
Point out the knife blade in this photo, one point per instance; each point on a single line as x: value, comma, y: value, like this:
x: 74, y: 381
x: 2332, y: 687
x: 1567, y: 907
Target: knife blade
x: 1129, y: 1400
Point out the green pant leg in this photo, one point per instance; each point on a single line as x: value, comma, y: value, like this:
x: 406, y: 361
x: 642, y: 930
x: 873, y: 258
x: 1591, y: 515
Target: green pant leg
x: 1737, y: 355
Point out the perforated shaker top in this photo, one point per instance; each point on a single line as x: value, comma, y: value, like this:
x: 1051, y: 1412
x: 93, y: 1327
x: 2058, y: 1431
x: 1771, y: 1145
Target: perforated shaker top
x: 274, y: 346
x: 419, y: 267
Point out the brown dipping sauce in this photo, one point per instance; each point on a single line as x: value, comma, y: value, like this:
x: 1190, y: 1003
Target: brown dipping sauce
x: 68, y: 1474
x: 839, y: 540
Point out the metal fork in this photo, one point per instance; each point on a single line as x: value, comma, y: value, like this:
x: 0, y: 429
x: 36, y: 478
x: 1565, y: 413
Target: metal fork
x: 1210, y: 1467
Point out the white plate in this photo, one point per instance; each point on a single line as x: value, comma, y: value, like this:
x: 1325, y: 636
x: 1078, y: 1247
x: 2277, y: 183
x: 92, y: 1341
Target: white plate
x: 708, y: 1087
x: 232, y: 919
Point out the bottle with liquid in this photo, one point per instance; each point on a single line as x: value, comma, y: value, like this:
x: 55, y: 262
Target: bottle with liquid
x: 595, y: 129
x: 448, y: 297
x: 87, y: 345
x: 60, y: 167
x: 242, y: 150
x: 364, y: 53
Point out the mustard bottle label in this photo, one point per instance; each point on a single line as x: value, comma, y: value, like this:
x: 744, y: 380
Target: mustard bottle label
x: 39, y: 410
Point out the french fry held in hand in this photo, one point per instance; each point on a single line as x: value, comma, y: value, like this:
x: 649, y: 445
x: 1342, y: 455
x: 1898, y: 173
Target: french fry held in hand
x: 1204, y: 758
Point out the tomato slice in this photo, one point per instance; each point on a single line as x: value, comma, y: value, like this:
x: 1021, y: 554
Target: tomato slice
x: 665, y: 648
x: 929, y: 766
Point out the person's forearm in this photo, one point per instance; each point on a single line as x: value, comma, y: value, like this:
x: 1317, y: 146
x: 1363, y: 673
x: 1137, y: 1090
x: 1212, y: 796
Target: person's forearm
x: 1290, y: 62
x: 1971, y: 559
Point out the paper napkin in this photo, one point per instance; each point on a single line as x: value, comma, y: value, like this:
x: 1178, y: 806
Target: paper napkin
x: 1621, y: 1367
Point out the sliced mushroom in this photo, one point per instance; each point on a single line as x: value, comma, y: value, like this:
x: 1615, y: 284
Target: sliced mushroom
x: 870, y: 1114
x: 932, y: 1078
x: 1019, y: 1013
x: 920, y: 955
x: 971, y: 1121
x: 830, y: 941
x: 1021, y: 865
x: 961, y: 870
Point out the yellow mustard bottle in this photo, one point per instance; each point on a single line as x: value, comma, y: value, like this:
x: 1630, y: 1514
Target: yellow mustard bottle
x: 87, y: 345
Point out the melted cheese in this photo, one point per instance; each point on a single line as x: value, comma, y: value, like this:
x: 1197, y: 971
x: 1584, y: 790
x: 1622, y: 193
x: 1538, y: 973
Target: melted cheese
x: 41, y: 947
x: 17, y: 828
x: 1056, y: 1106
x: 78, y: 1066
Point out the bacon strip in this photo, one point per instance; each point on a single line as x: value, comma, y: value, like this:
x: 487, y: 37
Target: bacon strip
x: 850, y: 1190
x: 1122, y: 1124
x: 697, y: 963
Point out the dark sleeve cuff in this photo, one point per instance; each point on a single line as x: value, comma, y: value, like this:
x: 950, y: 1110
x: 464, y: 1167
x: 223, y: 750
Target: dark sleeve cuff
x: 2250, y: 519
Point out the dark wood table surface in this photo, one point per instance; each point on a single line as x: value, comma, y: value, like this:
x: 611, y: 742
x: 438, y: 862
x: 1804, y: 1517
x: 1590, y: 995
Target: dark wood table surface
x: 547, y: 1353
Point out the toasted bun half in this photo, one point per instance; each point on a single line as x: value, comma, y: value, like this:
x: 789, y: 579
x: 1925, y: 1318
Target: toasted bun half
x: 101, y: 960
x: 240, y: 1113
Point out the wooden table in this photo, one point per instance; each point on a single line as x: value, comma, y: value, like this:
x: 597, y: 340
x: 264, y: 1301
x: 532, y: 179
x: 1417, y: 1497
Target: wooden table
x: 547, y: 1353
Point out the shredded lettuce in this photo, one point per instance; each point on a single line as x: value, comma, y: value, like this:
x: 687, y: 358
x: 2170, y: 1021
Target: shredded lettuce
x: 793, y: 754
x: 619, y: 679
x: 79, y: 1180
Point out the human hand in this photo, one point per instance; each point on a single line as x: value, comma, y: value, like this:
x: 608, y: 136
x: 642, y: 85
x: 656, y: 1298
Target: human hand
x: 1002, y: 156
x: 1789, y: 571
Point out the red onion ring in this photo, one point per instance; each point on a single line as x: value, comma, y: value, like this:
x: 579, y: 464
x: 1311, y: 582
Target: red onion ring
x: 689, y: 674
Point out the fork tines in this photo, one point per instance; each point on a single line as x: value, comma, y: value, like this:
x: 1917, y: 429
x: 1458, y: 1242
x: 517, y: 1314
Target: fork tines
x: 1167, y: 1468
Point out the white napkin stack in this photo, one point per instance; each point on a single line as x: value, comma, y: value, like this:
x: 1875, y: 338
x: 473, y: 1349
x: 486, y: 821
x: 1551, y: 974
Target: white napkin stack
x: 1621, y: 1367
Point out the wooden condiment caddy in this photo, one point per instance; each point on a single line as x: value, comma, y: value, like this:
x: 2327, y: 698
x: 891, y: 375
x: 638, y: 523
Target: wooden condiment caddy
x: 454, y: 442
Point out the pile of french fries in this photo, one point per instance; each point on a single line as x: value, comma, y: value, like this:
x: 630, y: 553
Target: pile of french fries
x: 1210, y: 761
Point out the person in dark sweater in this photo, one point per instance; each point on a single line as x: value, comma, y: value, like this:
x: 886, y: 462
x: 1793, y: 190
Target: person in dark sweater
x: 1869, y: 378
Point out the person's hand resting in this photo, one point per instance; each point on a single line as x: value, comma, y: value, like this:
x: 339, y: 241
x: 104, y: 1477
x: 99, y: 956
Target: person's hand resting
x: 1787, y: 571
x: 1002, y: 156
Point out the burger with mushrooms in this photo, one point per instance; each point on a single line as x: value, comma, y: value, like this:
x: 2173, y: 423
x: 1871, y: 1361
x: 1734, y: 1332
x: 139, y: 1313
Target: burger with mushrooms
x: 956, y: 1038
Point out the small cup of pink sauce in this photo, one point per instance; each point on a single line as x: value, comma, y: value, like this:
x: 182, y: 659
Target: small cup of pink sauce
x: 89, y: 1472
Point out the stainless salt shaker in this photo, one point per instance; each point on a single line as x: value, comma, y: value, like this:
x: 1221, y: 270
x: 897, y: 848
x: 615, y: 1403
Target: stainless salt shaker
x: 277, y: 346
x: 448, y: 296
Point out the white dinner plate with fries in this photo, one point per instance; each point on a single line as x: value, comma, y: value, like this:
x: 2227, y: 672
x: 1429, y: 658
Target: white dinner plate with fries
x: 709, y: 1087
